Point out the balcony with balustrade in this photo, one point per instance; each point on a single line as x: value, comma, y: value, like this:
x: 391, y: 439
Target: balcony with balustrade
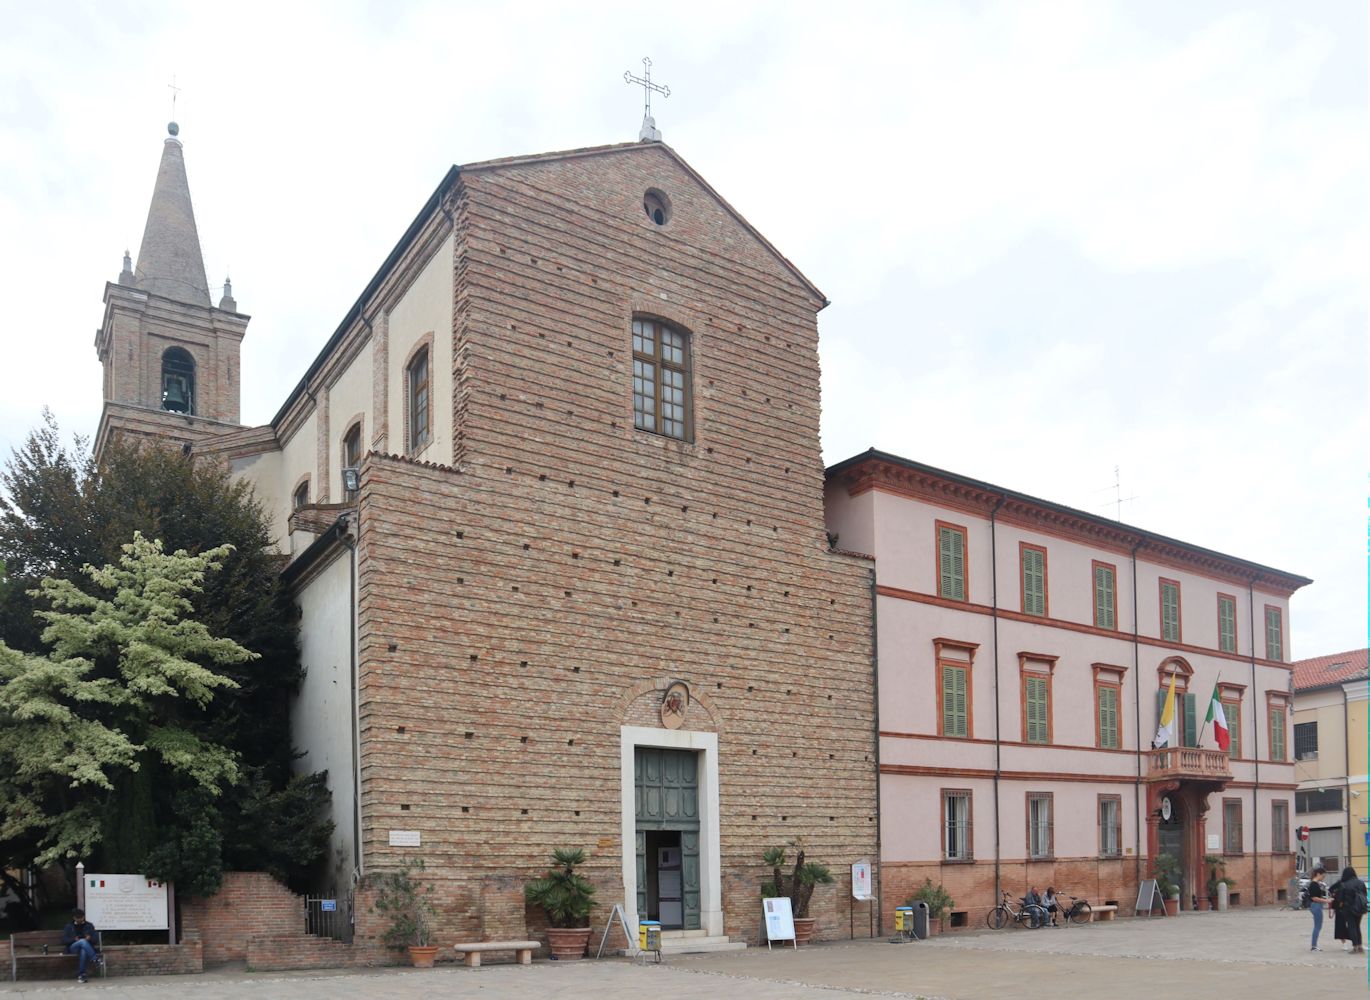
x: 1190, y: 764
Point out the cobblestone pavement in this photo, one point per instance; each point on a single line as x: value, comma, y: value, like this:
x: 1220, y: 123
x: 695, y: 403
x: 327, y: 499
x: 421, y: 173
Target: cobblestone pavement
x: 1246, y: 954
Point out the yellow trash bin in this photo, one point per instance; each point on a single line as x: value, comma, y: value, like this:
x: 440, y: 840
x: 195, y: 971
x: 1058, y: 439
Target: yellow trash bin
x: 649, y: 935
x: 903, y: 918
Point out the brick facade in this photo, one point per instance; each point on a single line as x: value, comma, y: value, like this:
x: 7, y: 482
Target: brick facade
x: 516, y: 613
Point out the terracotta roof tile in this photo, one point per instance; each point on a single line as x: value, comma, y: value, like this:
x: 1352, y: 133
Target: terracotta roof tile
x: 1335, y: 668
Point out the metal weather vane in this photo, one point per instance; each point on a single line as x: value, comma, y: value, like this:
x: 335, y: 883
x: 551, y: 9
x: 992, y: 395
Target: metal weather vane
x: 649, y: 131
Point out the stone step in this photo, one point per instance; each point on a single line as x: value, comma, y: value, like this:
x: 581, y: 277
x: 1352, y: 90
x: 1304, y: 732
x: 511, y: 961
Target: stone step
x: 698, y: 945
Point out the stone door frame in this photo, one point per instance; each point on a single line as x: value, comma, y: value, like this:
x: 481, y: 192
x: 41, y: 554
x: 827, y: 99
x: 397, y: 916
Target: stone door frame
x: 710, y: 863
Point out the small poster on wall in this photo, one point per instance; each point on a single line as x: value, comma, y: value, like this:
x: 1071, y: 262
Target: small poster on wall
x: 861, y: 880
x: 779, y: 920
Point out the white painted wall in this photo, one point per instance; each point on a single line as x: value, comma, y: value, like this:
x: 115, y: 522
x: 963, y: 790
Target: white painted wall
x: 349, y: 395
x: 426, y: 307
x: 321, y: 718
x: 263, y: 473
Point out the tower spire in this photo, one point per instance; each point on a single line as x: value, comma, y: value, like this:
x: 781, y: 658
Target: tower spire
x: 170, y: 263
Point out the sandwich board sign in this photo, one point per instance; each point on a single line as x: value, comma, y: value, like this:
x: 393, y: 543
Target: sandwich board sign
x: 779, y: 920
x: 126, y: 902
x: 1149, y: 894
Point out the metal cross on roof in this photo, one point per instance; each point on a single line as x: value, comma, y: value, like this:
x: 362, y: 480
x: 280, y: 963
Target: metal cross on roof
x: 649, y: 130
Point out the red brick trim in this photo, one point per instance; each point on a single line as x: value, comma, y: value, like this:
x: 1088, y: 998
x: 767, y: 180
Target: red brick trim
x: 914, y: 596
x: 1178, y: 666
x: 1074, y: 776
x: 891, y: 734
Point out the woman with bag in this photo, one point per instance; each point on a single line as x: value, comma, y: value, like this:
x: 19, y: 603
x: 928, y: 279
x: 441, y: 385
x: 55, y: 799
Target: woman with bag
x: 1348, y: 900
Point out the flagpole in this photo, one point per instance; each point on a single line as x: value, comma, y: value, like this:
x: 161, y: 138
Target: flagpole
x: 1209, y: 711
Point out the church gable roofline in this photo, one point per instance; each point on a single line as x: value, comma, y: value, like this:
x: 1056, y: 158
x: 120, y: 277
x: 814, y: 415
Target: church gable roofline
x: 446, y: 186
x: 874, y: 469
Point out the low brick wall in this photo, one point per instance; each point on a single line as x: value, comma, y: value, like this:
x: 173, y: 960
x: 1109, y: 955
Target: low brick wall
x: 154, y: 959
x: 250, y: 904
x: 305, y: 951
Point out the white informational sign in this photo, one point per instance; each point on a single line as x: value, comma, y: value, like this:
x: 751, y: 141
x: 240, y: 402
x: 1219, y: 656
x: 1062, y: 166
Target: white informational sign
x: 779, y: 919
x: 1214, y: 843
x: 861, y: 880
x: 126, y: 903
x: 401, y: 838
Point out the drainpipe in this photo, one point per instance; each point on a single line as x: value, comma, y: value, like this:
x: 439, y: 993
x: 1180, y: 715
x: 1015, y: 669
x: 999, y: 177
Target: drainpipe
x: 357, y: 869
x: 1137, y: 711
x: 1346, y: 745
x: 875, y: 696
x: 1256, y: 748
x: 994, y: 618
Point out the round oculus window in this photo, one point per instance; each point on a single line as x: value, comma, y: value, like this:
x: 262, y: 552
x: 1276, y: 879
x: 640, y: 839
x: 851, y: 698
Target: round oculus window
x: 657, y: 206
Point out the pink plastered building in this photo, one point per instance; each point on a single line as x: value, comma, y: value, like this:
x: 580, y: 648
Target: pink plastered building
x: 1025, y: 650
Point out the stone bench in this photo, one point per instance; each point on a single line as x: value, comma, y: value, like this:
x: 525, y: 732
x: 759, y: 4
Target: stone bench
x: 472, y: 950
x: 1102, y: 912
x: 26, y: 953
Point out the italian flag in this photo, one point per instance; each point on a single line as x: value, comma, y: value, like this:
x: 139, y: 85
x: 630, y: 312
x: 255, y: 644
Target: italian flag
x: 1215, y: 716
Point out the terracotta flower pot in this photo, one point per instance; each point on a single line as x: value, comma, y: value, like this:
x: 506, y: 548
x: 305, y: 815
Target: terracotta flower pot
x: 804, y: 928
x: 1172, y: 906
x: 1203, y: 903
x: 423, y: 956
x: 567, y: 943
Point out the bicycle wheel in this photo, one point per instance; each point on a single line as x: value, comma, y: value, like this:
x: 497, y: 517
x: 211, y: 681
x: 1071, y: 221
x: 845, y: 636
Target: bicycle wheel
x: 1034, y: 915
x: 998, y: 918
x: 1081, y: 913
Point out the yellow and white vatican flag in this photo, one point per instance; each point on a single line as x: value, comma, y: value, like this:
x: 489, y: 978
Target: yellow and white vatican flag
x: 1165, y: 732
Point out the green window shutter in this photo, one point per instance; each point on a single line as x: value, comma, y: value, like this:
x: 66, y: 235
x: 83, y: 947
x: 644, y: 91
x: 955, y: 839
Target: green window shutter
x: 1170, y: 612
x: 951, y: 563
x: 1274, y: 646
x: 1103, y: 597
x: 1037, y: 710
x: 954, y: 701
x: 1234, y: 729
x: 1227, y: 626
x: 1191, y: 738
x: 1108, y: 718
x: 1276, y: 734
x: 1034, y: 583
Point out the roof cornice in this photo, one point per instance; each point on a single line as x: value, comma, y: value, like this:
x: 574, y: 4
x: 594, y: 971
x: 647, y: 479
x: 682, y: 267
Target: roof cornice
x: 877, y: 470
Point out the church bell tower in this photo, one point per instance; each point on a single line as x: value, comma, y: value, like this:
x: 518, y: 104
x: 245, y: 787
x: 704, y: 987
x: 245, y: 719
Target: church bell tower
x: 170, y: 357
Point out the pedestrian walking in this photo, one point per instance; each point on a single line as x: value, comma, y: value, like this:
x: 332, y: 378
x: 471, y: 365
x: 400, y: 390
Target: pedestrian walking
x: 1317, y: 899
x: 1348, y: 900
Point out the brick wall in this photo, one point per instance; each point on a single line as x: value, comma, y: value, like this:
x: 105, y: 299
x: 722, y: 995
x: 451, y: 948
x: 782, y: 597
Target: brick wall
x: 512, y: 612
x: 154, y: 959
x: 249, y: 904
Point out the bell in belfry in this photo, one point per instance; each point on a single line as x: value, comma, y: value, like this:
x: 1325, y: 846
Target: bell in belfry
x: 175, y: 397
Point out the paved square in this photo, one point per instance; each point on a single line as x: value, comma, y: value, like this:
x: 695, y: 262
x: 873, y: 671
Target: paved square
x: 1245, y: 954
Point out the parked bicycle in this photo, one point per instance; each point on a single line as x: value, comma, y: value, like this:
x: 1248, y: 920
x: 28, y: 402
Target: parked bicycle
x: 1078, y: 912
x: 1022, y: 913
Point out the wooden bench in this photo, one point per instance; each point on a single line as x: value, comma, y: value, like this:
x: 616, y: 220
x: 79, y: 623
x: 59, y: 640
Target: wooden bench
x: 26, y: 952
x: 472, y: 950
x: 1102, y: 912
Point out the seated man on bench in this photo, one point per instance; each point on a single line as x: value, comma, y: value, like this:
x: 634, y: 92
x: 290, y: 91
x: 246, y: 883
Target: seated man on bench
x: 79, y: 939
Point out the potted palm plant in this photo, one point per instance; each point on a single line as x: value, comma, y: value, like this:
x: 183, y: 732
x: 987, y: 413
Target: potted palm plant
x: 567, y: 898
x: 1167, y: 873
x: 939, y: 903
x: 409, y: 906
x: 798, y: 885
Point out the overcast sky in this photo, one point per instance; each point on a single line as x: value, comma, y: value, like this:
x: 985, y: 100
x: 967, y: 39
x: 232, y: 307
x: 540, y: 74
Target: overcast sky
x: 1057, y: 237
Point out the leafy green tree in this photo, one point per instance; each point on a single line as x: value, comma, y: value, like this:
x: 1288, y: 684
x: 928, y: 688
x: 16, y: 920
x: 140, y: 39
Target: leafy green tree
x: 59, y: 512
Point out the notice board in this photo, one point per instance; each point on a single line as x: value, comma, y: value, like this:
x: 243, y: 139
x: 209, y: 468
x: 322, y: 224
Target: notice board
x: 1148, y: 896
x: 126, y: 902
x: 779, y: 919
